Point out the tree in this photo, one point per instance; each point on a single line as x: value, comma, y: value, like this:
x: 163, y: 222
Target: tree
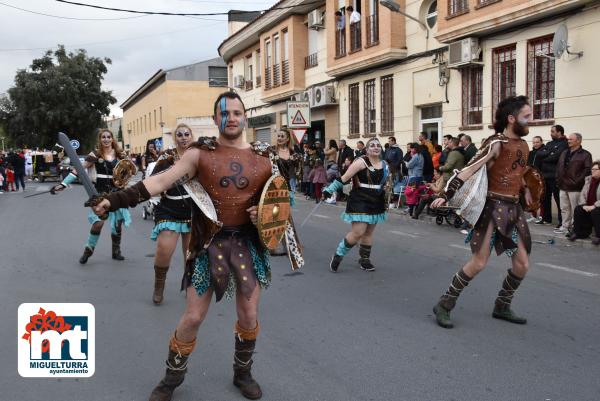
x: 59, y: 92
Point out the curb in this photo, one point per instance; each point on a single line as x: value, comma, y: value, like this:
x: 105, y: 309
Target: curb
x: 538, y: 238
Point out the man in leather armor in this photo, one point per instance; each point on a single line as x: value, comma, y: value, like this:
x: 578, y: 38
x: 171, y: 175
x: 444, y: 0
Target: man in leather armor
x: 502, y: 223
x: 228, y: 259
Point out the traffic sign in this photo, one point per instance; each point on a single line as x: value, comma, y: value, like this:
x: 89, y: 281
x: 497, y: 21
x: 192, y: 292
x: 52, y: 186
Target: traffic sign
x: 299, y: 134
x: 298, y: 114
x: 74, y: 144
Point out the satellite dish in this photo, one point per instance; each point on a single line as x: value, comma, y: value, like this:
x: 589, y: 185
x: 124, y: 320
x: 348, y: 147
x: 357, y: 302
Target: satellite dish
x: 560, y: 43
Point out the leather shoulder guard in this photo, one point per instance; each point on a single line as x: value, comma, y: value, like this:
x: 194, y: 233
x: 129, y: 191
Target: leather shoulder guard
x: 263, y: 148
x: 205, y: 143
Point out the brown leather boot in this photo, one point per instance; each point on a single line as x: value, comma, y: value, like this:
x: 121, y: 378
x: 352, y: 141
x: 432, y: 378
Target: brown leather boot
x: 174, y: 375
x: 242, y: 364
x: 160, y: 276
x: 116, y: 247
x: 87, y: 252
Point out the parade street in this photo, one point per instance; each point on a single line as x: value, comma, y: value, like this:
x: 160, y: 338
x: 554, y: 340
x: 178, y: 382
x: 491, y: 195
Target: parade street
x: 353, y: 335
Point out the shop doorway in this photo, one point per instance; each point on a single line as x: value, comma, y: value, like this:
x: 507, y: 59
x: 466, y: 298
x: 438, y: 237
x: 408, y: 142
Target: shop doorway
x: 316, y: 132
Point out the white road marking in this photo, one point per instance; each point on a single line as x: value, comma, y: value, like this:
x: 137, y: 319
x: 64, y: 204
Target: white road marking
x: 404, y: 234
x: 466, y: 248
x: 321, y: 216
x: 568, y: 269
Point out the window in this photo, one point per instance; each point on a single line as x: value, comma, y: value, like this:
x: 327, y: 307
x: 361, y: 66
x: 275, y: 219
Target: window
x: 370, y: 111
x: 387, y: 104
x: 504, y: 60
x: 217, y: 76
x: 432, y: 13
x: 285, y: 66
x: 258, y: 66
x: 276, y: 49
x: 154, y: 118
x: 285, y: 45
x: 456, y: 7
x: 276, y: 60
x: 373, y: 23
x: 540, y: 77
x: 472, y: 96
x: 353, y: 109
x: 268, y: 60
x: 248, y: 73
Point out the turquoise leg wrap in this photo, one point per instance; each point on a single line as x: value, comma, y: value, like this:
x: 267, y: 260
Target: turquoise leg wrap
x: 92, y: 240
x: 334, y: 187
x: 343, y: 248
x: 69, y: 179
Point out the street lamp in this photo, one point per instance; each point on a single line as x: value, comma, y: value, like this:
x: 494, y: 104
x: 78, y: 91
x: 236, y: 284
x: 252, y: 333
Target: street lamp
x: 395, y: 7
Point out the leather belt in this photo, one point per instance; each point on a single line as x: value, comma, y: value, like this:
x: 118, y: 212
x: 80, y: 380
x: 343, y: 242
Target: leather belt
x: 177, y: 197
x: 369, y: 186
x: 502, y: 197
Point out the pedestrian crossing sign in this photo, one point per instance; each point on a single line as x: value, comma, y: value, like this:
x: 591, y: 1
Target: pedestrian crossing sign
x: 298, y: 115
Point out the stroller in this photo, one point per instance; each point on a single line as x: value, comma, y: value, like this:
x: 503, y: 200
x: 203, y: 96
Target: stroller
x: 148, y: 207
x: 447, y: 213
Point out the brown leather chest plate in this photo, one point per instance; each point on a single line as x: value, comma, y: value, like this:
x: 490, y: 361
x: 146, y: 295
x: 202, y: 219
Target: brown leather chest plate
x: 234, y: 179
x: 505, y: 175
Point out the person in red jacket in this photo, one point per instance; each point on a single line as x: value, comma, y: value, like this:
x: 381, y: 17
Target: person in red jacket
x: 10, y: 179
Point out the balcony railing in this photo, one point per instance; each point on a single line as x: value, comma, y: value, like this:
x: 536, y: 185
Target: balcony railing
x: 285, y: 72
x: 258, y: 81
x: 340, y: 42
x: 355, y: 37
x: 276, y: 75
x: 372, y: 30
x: 267, y: 78
x: 311, y: 61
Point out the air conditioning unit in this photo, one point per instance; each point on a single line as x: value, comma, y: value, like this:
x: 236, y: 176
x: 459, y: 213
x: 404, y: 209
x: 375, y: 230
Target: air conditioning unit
x: 238, y: 81
x: 323, y: 96
x: 307, y: 96
x: 315, y: 20
x: 297, y: 97
x: 463, y: 52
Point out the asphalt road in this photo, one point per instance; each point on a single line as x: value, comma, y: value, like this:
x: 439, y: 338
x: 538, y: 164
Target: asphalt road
x: 348, y: 336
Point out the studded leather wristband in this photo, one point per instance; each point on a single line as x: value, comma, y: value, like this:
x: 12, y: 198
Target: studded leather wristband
x: 128, y: 197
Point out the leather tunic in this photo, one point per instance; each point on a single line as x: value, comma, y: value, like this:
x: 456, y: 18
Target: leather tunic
x: 505, y: 177
x: 234, y: 179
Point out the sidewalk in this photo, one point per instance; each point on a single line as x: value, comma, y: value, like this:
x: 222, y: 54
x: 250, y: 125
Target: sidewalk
x: 540, y: 234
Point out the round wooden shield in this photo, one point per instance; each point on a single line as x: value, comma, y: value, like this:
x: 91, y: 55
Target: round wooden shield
x: 273, y: 211
x: 535, y: 182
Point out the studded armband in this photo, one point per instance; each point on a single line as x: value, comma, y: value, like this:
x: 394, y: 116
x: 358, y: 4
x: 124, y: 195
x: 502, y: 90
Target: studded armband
x: 128, y: 197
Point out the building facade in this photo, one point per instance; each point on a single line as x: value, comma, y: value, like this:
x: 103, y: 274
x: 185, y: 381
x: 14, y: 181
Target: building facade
x: 186, y: 92
x: 440, y: 71
x: 281, y: 56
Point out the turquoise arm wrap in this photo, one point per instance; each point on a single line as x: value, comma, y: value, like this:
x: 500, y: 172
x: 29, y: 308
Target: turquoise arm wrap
x: 334, y: 187
x: 69, y: 179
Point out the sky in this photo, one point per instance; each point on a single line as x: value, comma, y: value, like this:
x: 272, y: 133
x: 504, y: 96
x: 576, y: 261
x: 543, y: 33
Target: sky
x: 138, y: 45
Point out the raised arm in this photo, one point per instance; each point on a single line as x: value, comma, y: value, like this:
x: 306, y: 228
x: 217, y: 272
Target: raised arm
x: 183, y: 170
x: 338, y: 183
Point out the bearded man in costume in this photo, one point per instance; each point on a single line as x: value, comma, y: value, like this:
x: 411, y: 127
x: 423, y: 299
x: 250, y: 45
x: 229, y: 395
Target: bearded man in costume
x: 499, y: 166
x: 223, y: 258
